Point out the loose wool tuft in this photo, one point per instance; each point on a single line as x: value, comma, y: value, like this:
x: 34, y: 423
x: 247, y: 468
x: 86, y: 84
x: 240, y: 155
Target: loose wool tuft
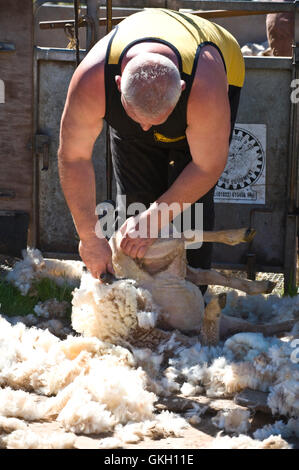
x: 246, y: 442
x: 20, y: 404
x: 291, y: 428
x: 148, y: 360
x: 166, y: 424
x: 245, y: 346
x: 147, y: 320
x: 8, y: 425
x: 235, y: 420
x: 34, y: 266
x: 51, y: 308
x: 284, y: 397
x: 25, y: 271
x: 260, y: 308
x: 28, y: 439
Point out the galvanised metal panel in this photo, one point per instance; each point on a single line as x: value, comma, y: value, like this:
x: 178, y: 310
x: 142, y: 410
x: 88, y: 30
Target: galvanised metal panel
x: 265, y: 99
x: 56, y: 231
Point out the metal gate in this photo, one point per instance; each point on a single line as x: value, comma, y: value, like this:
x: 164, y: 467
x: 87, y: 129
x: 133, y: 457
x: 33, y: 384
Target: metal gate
x: 263, y: 195
x: 53, y: 69
x: 16, y: 97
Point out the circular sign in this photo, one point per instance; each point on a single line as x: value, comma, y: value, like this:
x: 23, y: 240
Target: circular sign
x: 245, y: 162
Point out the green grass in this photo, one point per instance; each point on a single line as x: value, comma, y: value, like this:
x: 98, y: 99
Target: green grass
x: 291, y: 290
x: 12, y: 302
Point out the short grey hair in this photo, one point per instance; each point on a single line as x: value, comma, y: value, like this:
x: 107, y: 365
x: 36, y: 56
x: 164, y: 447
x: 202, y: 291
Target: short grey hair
x: 151, y: 84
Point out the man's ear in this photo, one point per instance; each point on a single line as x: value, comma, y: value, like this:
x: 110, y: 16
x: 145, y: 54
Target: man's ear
x: 118, y: 82
x: 183, y: 85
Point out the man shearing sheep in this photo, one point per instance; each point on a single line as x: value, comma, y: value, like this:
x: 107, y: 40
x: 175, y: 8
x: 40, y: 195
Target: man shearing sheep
x: 168, y: 84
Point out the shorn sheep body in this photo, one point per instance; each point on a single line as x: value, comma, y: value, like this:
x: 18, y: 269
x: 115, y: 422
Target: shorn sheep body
x: 102, y: 382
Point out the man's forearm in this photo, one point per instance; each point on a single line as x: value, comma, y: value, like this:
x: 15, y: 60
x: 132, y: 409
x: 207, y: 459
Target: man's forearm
x: 189, y: 186
x: 78, y: 184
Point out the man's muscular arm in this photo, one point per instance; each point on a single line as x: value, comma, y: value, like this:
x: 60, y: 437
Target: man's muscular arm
x: 81, y: 123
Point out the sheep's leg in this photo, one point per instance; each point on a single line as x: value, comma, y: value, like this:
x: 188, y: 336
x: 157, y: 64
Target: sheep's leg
x: 210, y: 276
x: 229, y: 237
x: 232, y: 325
x: 210, y: 330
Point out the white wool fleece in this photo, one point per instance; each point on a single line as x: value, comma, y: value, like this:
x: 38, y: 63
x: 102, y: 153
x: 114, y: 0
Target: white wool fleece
x: 110, y: 312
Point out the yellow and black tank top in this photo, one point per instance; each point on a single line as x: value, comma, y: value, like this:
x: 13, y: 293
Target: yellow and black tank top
x: 185, y: 34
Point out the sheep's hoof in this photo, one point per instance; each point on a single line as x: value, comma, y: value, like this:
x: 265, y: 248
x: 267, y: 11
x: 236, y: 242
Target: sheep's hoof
x: 249, y: 235
x: 270, y: 287
x: 222, y: 300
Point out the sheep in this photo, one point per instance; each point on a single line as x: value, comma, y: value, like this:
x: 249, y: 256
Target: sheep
x: 164, y: 267
x: 162, y: 270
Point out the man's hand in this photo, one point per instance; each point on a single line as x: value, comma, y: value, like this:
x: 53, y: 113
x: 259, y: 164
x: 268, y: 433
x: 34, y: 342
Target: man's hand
x: 97, y: 256
x: 132, y: 243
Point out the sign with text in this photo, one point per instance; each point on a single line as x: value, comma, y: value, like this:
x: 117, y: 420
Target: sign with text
x: 244, y: 177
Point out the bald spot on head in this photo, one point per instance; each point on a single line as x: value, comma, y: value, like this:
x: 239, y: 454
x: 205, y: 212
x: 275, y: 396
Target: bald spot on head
x: 151, y: 84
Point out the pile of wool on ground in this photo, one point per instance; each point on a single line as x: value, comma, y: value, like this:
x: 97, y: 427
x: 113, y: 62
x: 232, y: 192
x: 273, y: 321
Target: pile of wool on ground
x: 246, y: 360
x: 71, y: 381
